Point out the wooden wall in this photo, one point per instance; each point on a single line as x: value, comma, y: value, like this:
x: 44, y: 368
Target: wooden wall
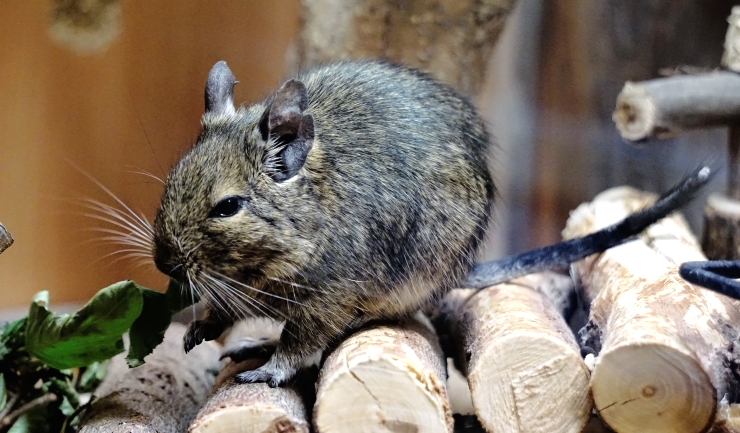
x: 135, y: 106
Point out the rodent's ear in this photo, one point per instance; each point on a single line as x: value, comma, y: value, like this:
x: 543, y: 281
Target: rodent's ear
x: 289, y: 128
x: 220, y: 90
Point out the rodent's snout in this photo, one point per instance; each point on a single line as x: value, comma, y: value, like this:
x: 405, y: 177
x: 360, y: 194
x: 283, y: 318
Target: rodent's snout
x: 166, y: 263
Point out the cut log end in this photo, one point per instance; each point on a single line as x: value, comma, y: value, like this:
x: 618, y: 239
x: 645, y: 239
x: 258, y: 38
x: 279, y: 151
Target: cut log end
x: 652, y: 388
x: 635, y: 112
x: 660, y: 336
x: 252, y: 408
x: 378, y: 407
x: 731, y: 56
x: 384, y: 379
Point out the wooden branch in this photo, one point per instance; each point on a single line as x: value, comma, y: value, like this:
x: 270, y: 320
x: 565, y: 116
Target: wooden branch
x: 254, y: 407
x: 160, y: 396
x: 451, y: 39
x: 522, y: 362
x: 6, y: 240
x: 731, y: 56
x: 385, y: 378
x: 664, y: 358
x: 667, y: 106
x: 7, y: 420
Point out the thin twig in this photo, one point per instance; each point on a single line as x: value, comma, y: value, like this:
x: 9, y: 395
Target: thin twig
x: 9, y: 405
x: 8, y: 420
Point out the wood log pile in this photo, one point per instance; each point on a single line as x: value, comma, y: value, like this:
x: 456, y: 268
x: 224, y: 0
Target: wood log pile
x: 661, y: 356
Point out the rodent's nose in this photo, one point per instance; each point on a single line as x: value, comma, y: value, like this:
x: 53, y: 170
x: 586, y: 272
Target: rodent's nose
x: 175, y: 271
x: 164, y: 261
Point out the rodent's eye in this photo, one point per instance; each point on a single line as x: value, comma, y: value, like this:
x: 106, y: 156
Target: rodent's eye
x: 226, y: 207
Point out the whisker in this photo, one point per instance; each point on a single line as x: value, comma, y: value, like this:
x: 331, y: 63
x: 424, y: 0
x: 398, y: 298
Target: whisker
x: 113, y: 196
x: 243, y: 296
x: 257, y: 290
x: 123, y: 240
x: 127, y: 255
x: 117, y: 222
x: 192, y: 294
x: 133, y: 219
x: 238, y: 308
x: 127, y: 232
x: 192, y: 249
x: 301, y: 286
x: 148, y: 174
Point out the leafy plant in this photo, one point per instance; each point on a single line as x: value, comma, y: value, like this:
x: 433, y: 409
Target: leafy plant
x: 48, y: 360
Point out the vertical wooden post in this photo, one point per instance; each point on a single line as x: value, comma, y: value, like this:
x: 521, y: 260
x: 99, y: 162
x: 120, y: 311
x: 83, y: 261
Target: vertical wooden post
x: 451, y: 39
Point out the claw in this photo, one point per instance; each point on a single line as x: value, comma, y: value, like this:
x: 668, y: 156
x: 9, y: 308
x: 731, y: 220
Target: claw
x: 200, y: 330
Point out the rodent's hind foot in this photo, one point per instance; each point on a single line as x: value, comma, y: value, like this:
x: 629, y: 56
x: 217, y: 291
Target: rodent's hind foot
x: 248, y: 348
x: 200, y: 330
x: 269, y: 373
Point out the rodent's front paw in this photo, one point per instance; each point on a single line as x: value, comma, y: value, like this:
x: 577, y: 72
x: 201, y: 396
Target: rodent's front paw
x: 200, y: 330
x: 273, y: 376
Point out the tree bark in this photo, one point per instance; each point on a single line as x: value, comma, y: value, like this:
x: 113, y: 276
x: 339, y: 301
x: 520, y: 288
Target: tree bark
x: 451, y: 39
x: 666, y: 348
x: 385, y: 378
x: 161, y: 396
x: 522, y: 362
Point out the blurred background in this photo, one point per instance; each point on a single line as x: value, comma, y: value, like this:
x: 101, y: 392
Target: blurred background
x: 127, y: 98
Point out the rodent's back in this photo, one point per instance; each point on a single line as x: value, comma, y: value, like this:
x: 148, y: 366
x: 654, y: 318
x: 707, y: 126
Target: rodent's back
x: 399, y: 169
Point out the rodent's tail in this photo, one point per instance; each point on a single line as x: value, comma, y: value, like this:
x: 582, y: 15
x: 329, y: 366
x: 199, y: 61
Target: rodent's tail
x: 564, y: 253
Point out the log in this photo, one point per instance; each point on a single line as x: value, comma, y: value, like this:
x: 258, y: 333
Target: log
x: 384, y: 378
x: 6, y: 240
x: 731, y: 55
x: 161, y: 396
x: 721, y: 235
x: 666, y: 106
x: 253, y: 407
x: 664, y: 360
x: 522, y: 362
x: 452, y: 39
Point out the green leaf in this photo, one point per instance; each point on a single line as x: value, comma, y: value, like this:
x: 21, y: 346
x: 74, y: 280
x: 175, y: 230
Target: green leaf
x: 148, y: 330
x: 12, y: 337
x: 91, y: 334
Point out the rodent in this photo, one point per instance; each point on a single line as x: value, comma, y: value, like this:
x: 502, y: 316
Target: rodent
x: 358, y: 191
